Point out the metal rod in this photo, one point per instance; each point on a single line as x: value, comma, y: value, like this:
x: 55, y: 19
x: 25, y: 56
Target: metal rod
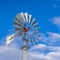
x: 24, y: 55
x: 25, y: 47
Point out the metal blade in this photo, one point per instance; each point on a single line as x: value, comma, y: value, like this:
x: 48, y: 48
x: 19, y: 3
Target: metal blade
x: 22, y: 15
x: 32, y: 21
x: 18, y: 21
x: 17, y: 24
x: 12, y: 37
x: 35, y: 24
x: 18, y: 28
x: 9, y: 39
x: 21, y: 19
x: 26, y: 16
x: 29, y: 18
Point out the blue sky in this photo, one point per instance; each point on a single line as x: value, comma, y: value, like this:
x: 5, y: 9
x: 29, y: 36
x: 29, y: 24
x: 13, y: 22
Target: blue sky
x: 47, y: 14
x: 42, y: 10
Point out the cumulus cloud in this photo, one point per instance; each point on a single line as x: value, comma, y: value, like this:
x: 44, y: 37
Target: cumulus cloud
x: 49, y: 52
x: 38, y: 52
x: 9, y: 53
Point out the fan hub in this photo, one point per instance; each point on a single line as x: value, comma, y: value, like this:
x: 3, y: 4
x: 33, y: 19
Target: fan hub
x: 26, y: 29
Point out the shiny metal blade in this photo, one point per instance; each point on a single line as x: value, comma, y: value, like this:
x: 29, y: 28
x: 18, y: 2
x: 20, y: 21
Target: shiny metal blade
x: 23, y: 17
x: 32, y: 21
x: 17, y: 24
x: 18, y: 28
x: 35, y: 24
x: 29, y: 18
x: 26, y: 16
x: 12, y: 37
x: 20, y: 17
x: 18, y: 21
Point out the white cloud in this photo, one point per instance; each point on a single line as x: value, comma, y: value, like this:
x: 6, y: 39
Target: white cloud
x: 38, y: 52
x: 54, y: 37
x: 8, y: 53
x: 56, y: 21
x: 51, y: 38
x: 53, y: 54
